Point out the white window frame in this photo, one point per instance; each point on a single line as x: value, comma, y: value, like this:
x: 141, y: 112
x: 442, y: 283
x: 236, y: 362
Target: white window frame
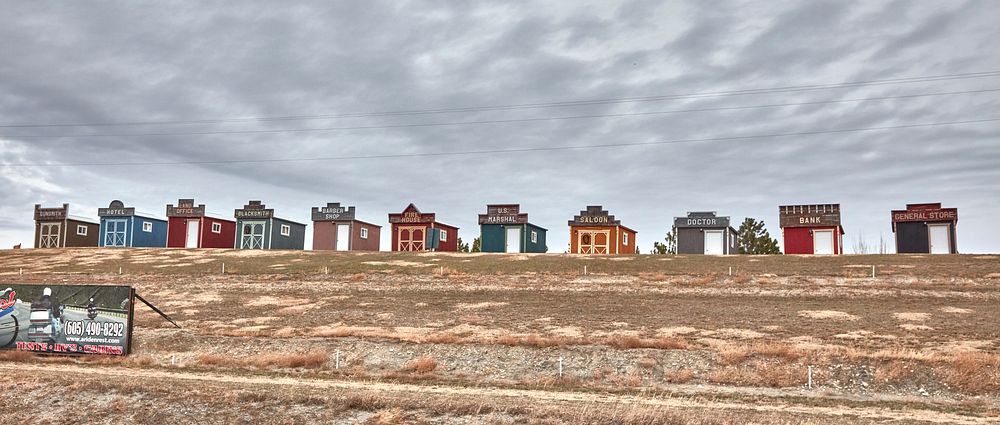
x: 286, y: 230
x: 216, y: 227
x: 81, y: 230
x: 444, y: 236
x: 534, y: 236
x: 147, y: 226
x: 364, y: 233
x: 624, y: 238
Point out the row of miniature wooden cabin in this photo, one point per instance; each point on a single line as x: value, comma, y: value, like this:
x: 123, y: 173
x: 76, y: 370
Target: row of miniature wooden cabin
x: 806, y: 229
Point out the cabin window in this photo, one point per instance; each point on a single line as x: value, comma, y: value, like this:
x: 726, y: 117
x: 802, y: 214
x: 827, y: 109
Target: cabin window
x: 625, y: 238
x: 534, y: 236
x: 216, y: 227
x: 444, y: 236
x: 147, y: 226
x: 586, y: 239
x: 247, y: 229
x: 364, y: 233
x: 286, y: 230
x: 81, y: 230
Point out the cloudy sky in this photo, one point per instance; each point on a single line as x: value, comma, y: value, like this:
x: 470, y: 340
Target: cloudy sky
x: 186, y: 93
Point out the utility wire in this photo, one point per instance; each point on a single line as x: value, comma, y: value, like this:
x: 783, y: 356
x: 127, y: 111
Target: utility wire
x: 499, y: 121
x: 502, y: 151
x: 785, y: 89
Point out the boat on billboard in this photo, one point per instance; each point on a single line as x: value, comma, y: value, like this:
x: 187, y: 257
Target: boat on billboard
x: 66, y: 319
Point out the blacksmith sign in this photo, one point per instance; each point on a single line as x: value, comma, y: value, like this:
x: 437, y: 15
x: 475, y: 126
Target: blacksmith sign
x: 254, y: 209
x: 503, y: 214
x: 594, y: 216
x: 66, y: 319
x: 185, y: 208
x: 333, y: 212
x: 809, y: 215
x: 116, y: 209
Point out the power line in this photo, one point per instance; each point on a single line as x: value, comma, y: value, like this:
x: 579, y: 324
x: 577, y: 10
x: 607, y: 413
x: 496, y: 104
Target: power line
x: 499, y: 121
x: 785, y: 89
x: 503, y: 151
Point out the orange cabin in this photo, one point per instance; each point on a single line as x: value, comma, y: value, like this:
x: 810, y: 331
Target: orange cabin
x: 594, y: 231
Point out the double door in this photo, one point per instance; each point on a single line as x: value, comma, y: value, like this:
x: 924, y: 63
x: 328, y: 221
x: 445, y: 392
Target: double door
x: 594, y: 241
x: 115, y: 232
x: 49, y: 235
x: 252, y: 235
x: 411, y: 238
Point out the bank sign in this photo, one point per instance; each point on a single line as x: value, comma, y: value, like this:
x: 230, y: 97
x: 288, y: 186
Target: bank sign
x: 66, y: 319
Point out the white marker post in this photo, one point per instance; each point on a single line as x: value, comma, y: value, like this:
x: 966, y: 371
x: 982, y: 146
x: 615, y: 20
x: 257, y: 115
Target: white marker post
x: 873, y: 271
x: 337, y: 362
x: 119, y: 269
x: 809, y: 384
x: 730, y: 270
x: 585, y: 270
x: 223, y: 268
x: 560, y: 366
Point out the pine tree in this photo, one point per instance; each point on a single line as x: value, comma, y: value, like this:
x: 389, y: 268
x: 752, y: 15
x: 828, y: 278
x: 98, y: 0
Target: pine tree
x: 670, y: 247
x: 462, y: 247
x: 476, y: 245
x: 754, y: 238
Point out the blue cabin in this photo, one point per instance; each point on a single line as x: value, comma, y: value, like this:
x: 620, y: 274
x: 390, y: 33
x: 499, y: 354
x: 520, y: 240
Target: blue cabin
x: 122, y: 227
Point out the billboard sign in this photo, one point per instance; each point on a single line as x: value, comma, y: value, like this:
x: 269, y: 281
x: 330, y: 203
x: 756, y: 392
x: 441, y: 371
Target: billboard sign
x: 66, y: 319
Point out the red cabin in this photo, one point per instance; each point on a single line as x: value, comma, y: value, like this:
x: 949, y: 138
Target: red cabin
x: 413, y: 230
x: 812, y: 229
x: 188, y: 226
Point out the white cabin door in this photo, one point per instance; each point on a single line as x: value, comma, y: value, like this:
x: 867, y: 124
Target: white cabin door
x: 192, y: 234
x: 513, y: 239
x: 49, y: 237
x: 823, y: 242
x: 114, y: 233
x: 343, y: 236
x: 939, y: 238
x: 713, y: 242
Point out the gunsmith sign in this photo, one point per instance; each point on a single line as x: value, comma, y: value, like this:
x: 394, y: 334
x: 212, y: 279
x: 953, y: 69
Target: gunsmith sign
x: 503, y: 214
x: 185, y: 208
x: 50, y: 214
x: 333, y: 212
x: 254, y: 209
x: 116, y: 209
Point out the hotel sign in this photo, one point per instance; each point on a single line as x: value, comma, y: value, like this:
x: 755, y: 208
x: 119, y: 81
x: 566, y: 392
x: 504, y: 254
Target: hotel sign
x: 115, y: 209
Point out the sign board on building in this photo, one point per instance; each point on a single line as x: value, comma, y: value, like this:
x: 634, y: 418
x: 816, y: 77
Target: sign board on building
x: 51, y: 214
x: 254, y: 209
x: 503, y: 214
x: 809, y: 215
x: 66, y: 319
x: 185, y: 208
x: 411, y: 215
x: 701, y: 219
x: 594, y: 216
x: 333, y: 212
x: 925, y: 212
x: 115, y: 209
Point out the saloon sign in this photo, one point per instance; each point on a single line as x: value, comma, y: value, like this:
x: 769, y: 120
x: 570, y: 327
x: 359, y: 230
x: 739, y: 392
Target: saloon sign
x: 594, y: 216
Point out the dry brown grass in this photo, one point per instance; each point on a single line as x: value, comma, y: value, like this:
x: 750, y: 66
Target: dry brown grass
x: 309, y: 360
x: 679, y: 376
x: 647, y: 362
x: 893, y: 372
x: 759, y: 374
x: 443, y: 338
x: 626, y: 342
x: 17, y: 356
x: 653, y: 277
x: 703, y: 280
x: 358, y: 277
x: 425, y: 364
x: 974, y: 373
x: 533, y: 340
x: 733, y: 354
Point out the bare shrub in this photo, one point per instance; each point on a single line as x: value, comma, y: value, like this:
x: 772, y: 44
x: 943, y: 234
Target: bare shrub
x: 679, y: 376
x: 425, y: 364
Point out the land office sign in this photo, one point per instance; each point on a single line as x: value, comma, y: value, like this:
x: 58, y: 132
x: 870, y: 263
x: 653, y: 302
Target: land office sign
x: 503, y: 214
x: 116, y: 209
x: 333, y: 212
x: 809, y: 215
x: 50, y: 214
x: 64, y: 320
x: 255, y: 209
x: 185, y: 208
